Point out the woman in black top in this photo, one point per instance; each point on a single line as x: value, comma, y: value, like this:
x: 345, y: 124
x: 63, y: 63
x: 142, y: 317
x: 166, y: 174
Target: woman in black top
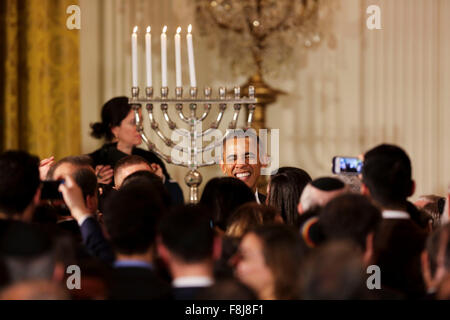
x: 118, y: 127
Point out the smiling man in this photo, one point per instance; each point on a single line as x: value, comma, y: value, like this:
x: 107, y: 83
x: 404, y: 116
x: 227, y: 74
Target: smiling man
x: 241, y: 159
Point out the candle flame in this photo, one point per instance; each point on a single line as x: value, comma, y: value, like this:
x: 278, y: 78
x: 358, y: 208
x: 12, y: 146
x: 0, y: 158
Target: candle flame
x: 135, y: 29
x: 149, y: 29
x: 178, y: 29
x: 164, y: 29
x: 189, y: 28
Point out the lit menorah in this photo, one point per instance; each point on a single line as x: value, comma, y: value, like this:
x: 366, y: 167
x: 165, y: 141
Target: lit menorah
x: 192, y: 151
x: 193, y: 178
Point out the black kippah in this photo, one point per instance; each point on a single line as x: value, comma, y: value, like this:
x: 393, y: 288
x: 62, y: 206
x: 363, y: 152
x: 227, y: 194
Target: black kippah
x: 328, y: 184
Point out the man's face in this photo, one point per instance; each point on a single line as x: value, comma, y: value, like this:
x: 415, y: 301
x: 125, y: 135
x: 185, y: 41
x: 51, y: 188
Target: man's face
x: 124, y: 172
x: 242, y: 162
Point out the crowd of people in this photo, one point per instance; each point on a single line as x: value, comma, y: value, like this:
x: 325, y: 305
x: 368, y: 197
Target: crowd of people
x: 113, y: 224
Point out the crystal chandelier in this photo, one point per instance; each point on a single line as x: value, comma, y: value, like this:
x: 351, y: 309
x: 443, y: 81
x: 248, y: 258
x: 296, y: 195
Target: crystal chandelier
x: 259, y: 37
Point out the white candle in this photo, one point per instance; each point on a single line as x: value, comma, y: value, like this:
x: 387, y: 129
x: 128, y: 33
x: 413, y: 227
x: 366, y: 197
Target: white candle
x: 148, y: 56
x: 178, y: 58
x: 134, y: 57
x: 191, y: 57
x: 164, y: 57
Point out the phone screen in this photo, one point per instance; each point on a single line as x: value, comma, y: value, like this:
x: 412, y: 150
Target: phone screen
x: 347, y: 165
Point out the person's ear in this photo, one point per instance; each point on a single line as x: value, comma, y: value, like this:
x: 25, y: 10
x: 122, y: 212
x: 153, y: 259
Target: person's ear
x: 91, y: 203
x: 222, y: 166
x: 59, y: 272
x: 265, y: 161
x: 299, y: 208
x: 115, y: 131
x: 364, y: 190
x: 217, y: 248
x: 163, y: 253
x: 368, y: 254
x: 37, y: 196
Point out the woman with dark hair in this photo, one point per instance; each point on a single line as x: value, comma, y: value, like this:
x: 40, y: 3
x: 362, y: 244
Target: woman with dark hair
x: 222, y: 196
x: 118, y: 128
x: 269, y: 262
x: 284, y: 191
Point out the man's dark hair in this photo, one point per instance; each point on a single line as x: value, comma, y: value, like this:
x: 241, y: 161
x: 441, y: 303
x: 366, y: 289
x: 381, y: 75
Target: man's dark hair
x: 28, y: 252
x: 131, y: 215
x: 334, y: 271
x: 78, y: 161
x: 19, y: 181
x: 87, y: 181
x: 223, y: 195
x: 186, y: 232
x: 387, y: 174
x: 232, y: 135
x: 351, y: 217
x: 128, y: 161
x: 143, y: 176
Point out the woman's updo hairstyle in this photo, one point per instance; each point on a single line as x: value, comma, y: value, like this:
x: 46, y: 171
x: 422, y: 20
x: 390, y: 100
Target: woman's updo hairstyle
x: 113, y: 112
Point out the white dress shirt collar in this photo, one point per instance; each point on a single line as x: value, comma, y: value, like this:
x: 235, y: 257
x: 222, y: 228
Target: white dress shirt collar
x: 257, y: 197
x: 395, y: 214
x: 193, y: 281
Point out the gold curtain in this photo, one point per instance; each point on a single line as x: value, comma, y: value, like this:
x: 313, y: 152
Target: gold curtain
x: 39, y: 74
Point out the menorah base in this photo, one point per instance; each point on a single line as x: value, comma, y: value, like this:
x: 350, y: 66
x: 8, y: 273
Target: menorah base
x: 193, y: 179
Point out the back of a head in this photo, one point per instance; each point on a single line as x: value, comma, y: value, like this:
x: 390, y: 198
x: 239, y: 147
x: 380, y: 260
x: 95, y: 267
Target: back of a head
x: 129, y: 161
x: 19, y: 181
x: 147, y: 177
x: 334, y: 271
x: 248, y: 216
x: 78, y: 162
x: 286, y: 187
x: 27, y: 252
x: 113, y: 112
x: 320, y: 191
x: 87, y: 181
x: 131, y: 215
x: 186, y: 232
x: 283, y: 252
x: 349, y: 216
x: 387, y: 174
x: 223, y: 195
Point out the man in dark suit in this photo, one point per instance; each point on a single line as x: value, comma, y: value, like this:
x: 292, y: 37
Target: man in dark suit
x: 241, y: 159
x: 131, y: 216
x: 400, y: 239
x: 186, y: 243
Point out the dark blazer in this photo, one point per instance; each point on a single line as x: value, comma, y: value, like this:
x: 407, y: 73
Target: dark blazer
x: 187, y: 293
x: 95, y: 242
x: 398, y: 244
x: 108, y: 154
x: 137, y: 283
x: 262, y: 198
